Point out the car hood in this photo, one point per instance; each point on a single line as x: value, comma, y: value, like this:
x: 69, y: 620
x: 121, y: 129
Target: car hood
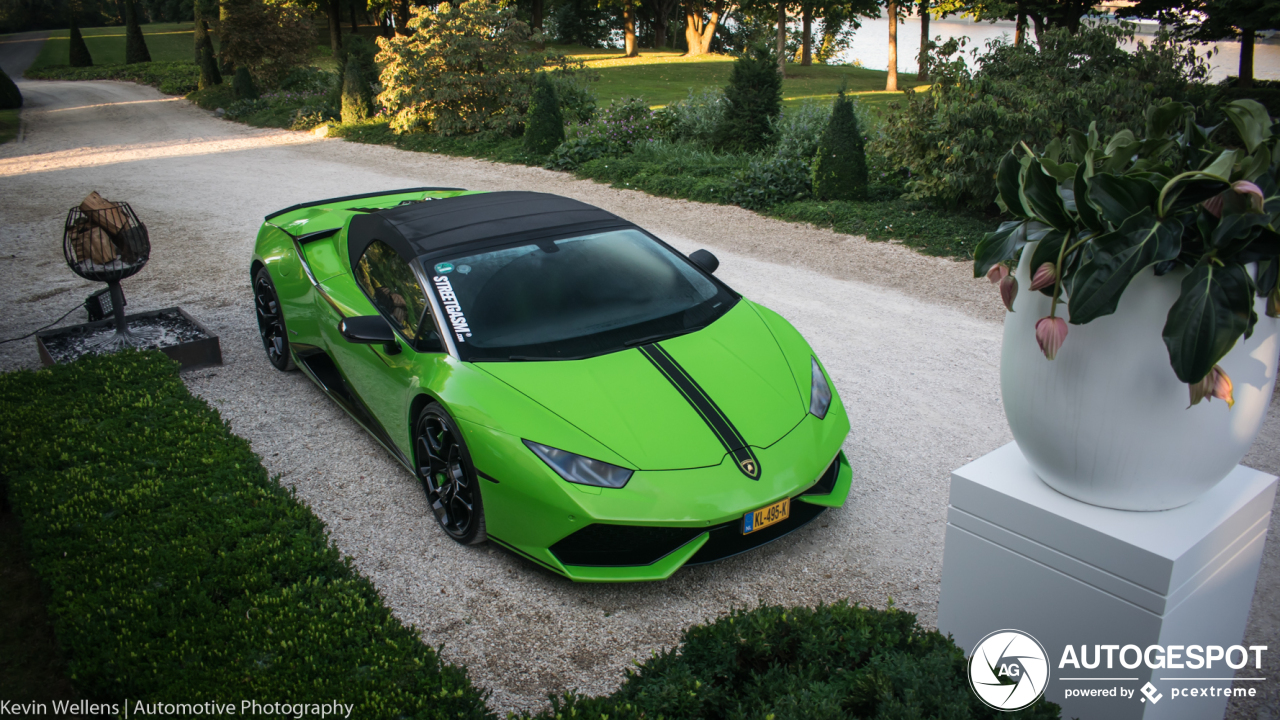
x: 637, y: 401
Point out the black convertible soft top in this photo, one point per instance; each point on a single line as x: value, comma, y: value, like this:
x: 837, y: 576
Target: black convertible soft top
x: 425, y: 227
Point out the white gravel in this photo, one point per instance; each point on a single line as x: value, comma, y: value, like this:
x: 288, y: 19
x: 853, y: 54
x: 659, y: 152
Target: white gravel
x: 913, y: 344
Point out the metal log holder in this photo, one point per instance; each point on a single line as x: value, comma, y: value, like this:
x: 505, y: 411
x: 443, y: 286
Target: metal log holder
x: 109, y: 245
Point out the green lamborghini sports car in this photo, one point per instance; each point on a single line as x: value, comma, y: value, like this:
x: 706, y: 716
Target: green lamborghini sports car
x: 562, y: 382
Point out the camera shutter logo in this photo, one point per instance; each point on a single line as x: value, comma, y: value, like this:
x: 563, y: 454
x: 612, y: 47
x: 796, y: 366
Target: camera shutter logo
x: 1008, y: 670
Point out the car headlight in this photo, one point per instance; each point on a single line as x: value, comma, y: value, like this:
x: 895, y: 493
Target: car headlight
x: 820, y: 395
x: 579, y: 469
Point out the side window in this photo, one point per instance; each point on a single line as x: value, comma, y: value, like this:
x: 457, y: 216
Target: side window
x: 390, y: 284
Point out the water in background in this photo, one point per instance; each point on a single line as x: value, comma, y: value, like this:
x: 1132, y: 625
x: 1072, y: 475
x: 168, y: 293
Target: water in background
x: 871, y: 45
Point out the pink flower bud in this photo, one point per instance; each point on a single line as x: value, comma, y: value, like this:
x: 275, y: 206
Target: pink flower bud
x: 997, y: 273
x: 1214, y: 385
x: 1009, y: 291
x: 1214, y: 205
x: 1046, y: 275
x: 1050, y: 332
x: 1244, y: 187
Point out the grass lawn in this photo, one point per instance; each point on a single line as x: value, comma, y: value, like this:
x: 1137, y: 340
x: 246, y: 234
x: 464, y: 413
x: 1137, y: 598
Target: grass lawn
x: 167, y: 42
x: 8, y: 125
x: 664, y: 76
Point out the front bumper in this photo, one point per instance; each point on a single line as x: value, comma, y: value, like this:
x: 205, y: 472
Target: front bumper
x: 662, y: 520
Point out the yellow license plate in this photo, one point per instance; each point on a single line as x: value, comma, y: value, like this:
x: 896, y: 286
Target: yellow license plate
x: 766, y: 516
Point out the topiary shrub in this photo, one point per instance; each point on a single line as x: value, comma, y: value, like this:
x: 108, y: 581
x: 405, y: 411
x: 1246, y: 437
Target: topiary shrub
x: 243, y: 85
x: 79, y: 52
x: 833, y: 661
x: 357, y: 100
x: 10, y: 95
x: 753, y: 99
x: 840, y: 168
x: 544, y: 129
x: 209, y: 73
x: 135, y: 46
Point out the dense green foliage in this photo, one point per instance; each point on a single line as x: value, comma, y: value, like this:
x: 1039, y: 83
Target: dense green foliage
x: 753, y: 98
x: 544, y: 130
x: 135, y: 46
x: 78, y: 53
x: 840, y: 168
x: 178, y: 570
x: 172, y: 78
x: 10, y: 95
x: 357, y: 99
x: 270, y: 39
x: 952, y: 138
x: 464, y: 67
x: 833, y: 661
x: 243, y: 85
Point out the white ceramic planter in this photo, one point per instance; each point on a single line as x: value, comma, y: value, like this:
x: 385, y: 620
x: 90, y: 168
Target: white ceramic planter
x: 1107, y: 422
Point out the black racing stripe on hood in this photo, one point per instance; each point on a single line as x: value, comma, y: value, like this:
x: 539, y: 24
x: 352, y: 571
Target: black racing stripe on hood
x: 732, y: 440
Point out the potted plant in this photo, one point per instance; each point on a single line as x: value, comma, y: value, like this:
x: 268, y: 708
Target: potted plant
x: 1152, y: 290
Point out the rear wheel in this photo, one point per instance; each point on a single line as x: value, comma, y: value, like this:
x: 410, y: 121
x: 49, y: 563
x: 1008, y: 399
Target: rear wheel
x: 275, y: 338
x: 444, y: 467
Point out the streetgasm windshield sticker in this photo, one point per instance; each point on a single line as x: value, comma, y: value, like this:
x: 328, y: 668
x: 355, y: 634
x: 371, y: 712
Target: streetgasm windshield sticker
x: 450, y: 303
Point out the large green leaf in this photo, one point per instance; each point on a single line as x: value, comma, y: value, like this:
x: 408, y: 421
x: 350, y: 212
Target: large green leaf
x: 1251, y: 120
x: 996, y: 247
x: 1118, y: 197
x: 1163, y: 118
x: 1222, y: 165
x: 1142, y: 241
x: 1007, y: 181
x: 1042, y: 192
x: 1088, y: 214
x: 1235, y: 232
x: 1209, y: 317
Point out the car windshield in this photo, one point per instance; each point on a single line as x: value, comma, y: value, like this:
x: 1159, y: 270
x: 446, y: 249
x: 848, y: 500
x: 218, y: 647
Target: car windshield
x: 571, y: 298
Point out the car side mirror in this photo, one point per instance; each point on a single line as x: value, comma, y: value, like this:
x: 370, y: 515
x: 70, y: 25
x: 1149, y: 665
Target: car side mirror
x: 369, y: 330
x: 705, y: 260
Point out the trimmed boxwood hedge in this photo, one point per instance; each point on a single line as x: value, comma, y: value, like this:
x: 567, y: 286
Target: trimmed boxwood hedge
x: 178, y: 571
x: 831, y: 662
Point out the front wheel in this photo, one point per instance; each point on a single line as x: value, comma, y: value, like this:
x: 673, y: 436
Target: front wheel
x: 444, y: 467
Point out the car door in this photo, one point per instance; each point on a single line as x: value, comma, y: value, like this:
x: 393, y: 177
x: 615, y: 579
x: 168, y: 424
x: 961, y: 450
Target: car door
x: 385, y: 378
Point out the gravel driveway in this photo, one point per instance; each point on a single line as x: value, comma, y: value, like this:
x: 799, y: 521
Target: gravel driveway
x: 913, y: 344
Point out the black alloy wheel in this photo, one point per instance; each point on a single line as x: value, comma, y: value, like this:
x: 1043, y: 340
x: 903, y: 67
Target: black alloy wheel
x: 444, y: 467
x: 275, y: 338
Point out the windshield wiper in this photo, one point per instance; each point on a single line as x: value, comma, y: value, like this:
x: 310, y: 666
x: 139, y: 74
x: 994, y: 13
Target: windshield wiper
x: 656, y: 338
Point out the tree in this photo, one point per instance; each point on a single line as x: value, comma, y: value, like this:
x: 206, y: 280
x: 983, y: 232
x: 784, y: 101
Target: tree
x: 922, y: 73
x: 79, y: 53
x: 10, y: 95
x: 753, y: 98
x: 243, y: 85
x: 840, y: 168
x: 357, y: 98
x: 135, y: 46
x: 630, y: 47
x: 333, y: 10
x: 1209, y: 20
x: 544, y: 130
x: 661, y: 11
x: 209, y: 75
x: 701, y: 19
x: 891, y: 9
x: 268, y: 39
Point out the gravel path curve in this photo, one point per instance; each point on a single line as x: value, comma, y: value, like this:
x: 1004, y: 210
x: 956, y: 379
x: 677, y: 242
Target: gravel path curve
x: 913, y: 344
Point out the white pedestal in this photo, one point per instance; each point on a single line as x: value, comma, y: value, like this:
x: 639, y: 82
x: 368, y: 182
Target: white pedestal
x: 1021, y: 555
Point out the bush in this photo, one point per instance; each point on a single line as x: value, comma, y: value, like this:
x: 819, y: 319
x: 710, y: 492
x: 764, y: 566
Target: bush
x: 177, y: 570
x: 697, y: 117
x: 577, y: 101
x: 357, y: 100
x: 753, y: 99
x: 10, y: 95
x: 243, y: 84
x: 172, y: 78
x: 463, y: 68
x: 833, y: 661
x: 951, y: 138
x: 768, y: 181
x: 840, y: 169
x: 135, y: 45
x: 545, y: 127
x: 270, y: 39
x: 797, y: 133
x: 78, y: 54
x: 622, y: 127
